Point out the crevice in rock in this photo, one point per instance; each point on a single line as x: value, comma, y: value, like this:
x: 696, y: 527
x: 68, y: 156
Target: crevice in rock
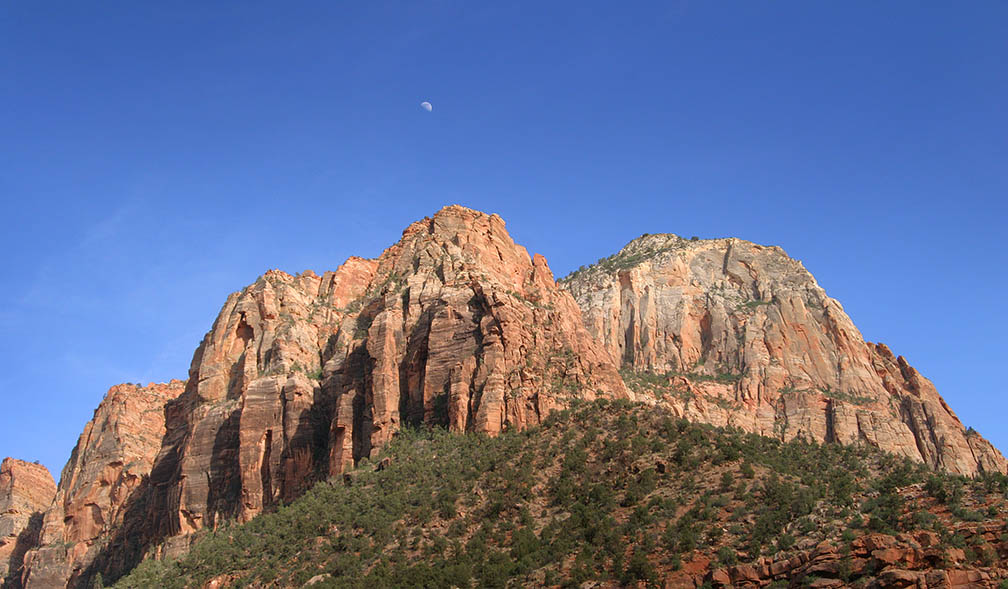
x: 706, y: 336
x: 362, y: 413
x: 907, y: 416
x: 264, y: 469
x: 413, y: 368
x: 244, y: 331
x: 224, y: 485
x: 27, y: 540
x: 629, y: 337
x: 831, y: 436
x: 727, y: 257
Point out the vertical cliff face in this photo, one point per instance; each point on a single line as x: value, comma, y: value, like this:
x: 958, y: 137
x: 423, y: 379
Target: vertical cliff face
x: 729, y: 332
x: 102, y: 483
x: 26, y: 490
x: 301, y: 376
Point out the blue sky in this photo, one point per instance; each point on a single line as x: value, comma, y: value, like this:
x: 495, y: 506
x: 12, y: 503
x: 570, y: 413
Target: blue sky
x: 155, y: 159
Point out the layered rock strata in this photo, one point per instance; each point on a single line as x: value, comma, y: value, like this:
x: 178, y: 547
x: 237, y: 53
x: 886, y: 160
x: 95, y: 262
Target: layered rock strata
x: 302, y: 376
x: 729, y: 332
x: 102, y: 486
x: 26, y: 490
x: 919, y: 559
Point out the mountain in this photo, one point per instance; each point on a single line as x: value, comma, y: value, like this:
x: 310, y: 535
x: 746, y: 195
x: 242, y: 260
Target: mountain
x: 728, y: 332
x: 302, y: 377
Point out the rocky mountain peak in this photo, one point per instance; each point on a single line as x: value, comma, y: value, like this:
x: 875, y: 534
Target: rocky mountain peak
x: 730, y: 332
x: 302, y: 376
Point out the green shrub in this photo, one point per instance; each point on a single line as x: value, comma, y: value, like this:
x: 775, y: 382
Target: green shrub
x: 785, y: 542
x: 727, y: 480
x: 726, y: 555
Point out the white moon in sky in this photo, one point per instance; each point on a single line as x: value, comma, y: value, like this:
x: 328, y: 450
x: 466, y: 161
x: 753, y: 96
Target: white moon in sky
x: 427, y: 106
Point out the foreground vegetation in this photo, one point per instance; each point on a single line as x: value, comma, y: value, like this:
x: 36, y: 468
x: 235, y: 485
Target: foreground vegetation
x: 607, y: 491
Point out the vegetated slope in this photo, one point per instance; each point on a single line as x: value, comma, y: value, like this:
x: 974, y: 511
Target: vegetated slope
x: 728, y: 332
x: 618, y: 493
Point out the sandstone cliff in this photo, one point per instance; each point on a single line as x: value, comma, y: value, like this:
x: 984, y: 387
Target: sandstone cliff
x: 301, y: 376
x: 26, y: 490
x: 102, y: 483
x: 728, y: 332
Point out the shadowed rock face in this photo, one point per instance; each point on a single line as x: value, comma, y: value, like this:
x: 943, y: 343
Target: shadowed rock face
x: 101, y: 482
x: 26, y: 490
x: 729, y: 332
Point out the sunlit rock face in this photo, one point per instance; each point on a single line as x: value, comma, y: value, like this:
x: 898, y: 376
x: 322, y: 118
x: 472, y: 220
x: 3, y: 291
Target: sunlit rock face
x: 102, y: 484
x: 302, y: 376
x: 729, y: 332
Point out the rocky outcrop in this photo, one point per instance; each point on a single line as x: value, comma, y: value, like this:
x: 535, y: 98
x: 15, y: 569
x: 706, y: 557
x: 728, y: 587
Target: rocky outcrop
x: 102, y: 485
x: 26, y: 490
x: 302, y: 376
x: 728, y: 332
x: 919, y: 559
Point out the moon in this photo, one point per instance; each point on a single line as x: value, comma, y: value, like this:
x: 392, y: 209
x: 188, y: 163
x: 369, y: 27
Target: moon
x: 426, y: 106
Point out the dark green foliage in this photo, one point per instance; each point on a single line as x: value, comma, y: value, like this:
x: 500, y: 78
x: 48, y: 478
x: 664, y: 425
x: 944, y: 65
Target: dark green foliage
x: 780, y: 502
x: 606, y: 491
x: 935, y: 486
x: 638, y: 568
x: 923, y: 520
x: 785, y: 542
x: 727, y: 480
x: 726, y: 555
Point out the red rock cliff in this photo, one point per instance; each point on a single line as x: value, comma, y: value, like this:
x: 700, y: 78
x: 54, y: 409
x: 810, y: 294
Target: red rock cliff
x: 725, y: 331
x: 26, y: 490
x: 301, y: 376
x: 101, y: 485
